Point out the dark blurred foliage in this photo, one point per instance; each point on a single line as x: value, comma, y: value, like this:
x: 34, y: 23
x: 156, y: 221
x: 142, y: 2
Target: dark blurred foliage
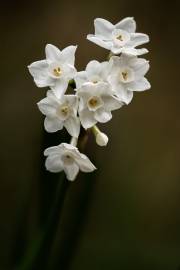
x: 127, y: 214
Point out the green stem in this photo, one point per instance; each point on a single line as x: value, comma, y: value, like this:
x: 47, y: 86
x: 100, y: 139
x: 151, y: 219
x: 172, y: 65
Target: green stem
x: 40, y: 248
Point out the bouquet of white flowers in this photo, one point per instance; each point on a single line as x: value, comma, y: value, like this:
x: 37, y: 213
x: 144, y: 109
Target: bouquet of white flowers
x: 97, y: 91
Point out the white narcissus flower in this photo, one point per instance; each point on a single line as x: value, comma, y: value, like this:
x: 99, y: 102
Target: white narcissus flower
x: 60, y: 112
x: 96, y: 103
x: 127, y: 75
x: 56, y: 70
x: 68, y: 158
x: 94, y: 72
x: 118, y: 38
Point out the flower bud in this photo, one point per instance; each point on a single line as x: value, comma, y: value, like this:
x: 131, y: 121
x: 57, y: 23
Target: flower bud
x: 101, y: 139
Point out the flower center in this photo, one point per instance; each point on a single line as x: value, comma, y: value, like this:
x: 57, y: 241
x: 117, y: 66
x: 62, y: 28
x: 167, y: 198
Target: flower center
x: 63, y: 111
x: 57, y: 72
x: 120, y: 37
x: 126, y: 75
x: 94, y: 103
x: 67, y: 159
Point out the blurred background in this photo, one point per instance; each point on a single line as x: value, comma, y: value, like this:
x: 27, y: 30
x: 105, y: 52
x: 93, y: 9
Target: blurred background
x: 126, y: 215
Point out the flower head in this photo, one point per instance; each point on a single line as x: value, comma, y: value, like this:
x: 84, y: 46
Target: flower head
x: 68, y: 158
x: 60, y: 112
x: 56, y: 70
x: 96, y: 103
x: 95, y: 72
x: 118, y: 38
x: 127, y: 75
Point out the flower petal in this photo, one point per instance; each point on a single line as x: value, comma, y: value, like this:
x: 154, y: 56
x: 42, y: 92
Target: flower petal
x: 52, y: 53
x: 54, y: 164
x: 80, y: 78
x: 103, y: 28
x: 124, y: 94
x: 72, y: 124
x: 102, y: 116
x: 140, y: 85
x: 52, y: 124
x: 60, y: 87
x: 68, y: 55
x: 71, y: 171
x: 111, y: 103
x: 39, y: 70
x: 47, y: 107
x: 51, y: 150
x: 93, y: 67
x: 85, y: 164
x: 87, y: 118
x: 133, y: 51
x: 138, y: 39
x: 128, y: 24
x: 99, y: 41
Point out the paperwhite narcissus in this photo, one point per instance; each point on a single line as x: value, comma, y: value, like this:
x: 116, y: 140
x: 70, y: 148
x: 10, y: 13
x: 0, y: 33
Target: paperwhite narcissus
x: 56, y: 70
x: 97, y: 91
x: 118, y: 38
x: 66, y: 157
x: 127, y: 75
x: 94, y: 72
x: 96, y: 103
x: 60, y: 112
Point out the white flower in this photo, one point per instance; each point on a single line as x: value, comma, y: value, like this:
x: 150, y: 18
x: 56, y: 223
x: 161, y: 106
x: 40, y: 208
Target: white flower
x: 95, y: 72
x: 118, y: 38
x: 56, y: 70
x: 68, y: 158
x: 96, y: 103
x: 127, y: 75
x: 60, y: 112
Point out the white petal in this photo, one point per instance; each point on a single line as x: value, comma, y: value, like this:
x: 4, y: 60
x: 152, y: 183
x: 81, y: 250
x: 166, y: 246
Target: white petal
x: 39, y: 70
x: 123, y: 94
x: 104, y: 44
x: 116, y: 50
x: 111, y: 103
x: 138, y: 39
x: 72, y: 102
x: 80, y: 78
x: 133, y: 51
x: 87, y: 118
x: 102, y: 116
x: 93, y: 67
x: 141, y: 67
x: 68, y: 55
x: 140, y: 85
x: 71, y: 171
x: 72, y: 124
x: 52, y: 53
x: 128, y: 24
x: 103, y: 28
x: 60, y: 87
x: 85, y: 164
x: 52, y: 124
x: 47, y: 107
x: 54, y: 164
x: 51, y: 150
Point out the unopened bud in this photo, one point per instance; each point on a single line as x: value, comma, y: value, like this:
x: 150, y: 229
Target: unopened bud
x: 101, y: 139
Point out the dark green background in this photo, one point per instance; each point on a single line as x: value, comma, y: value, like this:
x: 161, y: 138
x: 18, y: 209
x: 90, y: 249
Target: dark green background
x: 127, y: 214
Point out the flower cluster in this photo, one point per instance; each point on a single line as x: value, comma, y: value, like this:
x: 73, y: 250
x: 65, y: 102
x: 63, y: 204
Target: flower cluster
x: 100, y: 89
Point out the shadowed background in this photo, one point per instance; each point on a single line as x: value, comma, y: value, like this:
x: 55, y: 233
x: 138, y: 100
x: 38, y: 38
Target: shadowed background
x: 127, y: 214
